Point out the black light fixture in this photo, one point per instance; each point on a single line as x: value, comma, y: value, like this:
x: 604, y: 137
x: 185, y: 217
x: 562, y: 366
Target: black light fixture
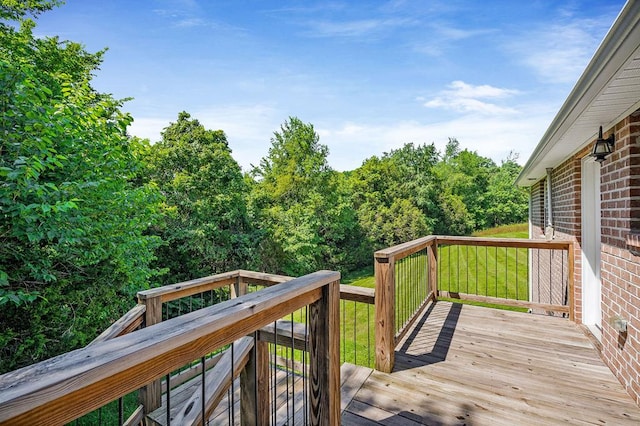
x: 603, y: 147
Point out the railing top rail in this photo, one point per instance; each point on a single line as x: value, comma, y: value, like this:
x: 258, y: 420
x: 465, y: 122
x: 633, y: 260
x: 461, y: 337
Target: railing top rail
x: 171, y: 292
x: 263, y: 278
x: 405, y: 249
x: 65, y: 387
x: 504, y: 242
x: 358, y: 294
x: 187, y: 288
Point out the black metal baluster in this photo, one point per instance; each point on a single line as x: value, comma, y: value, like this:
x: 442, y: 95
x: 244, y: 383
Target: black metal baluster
x: 517, y: 283
x: 120, y: 411
x: 486, y: 270
x: 203, y: 407
x: 355, y: 334
x: 506, y: 272
x: 496, y: 294
x: 233, y: 389
x: 344, y: 331
x: 368, y: 335
x: 168, y: 381
x: 477, y: 269
x: 305, y: 367
x: 275, y: 371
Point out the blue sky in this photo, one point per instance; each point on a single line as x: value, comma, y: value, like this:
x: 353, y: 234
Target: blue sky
x: 369, y: 75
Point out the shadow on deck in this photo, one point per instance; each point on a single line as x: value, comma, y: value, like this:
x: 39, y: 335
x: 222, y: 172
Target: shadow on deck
x: 468, y: 365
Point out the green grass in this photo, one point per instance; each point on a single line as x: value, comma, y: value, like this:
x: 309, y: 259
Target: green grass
x: 361, y: 278
x: 109, y: 414
x: 518, y: 230
x: 487, y: 271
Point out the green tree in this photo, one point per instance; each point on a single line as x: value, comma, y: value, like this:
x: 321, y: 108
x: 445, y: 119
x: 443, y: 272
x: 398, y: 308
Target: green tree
x: 302, y: 205
x: 206, y: 228
x: 387, y: 192
x: 462, y: 179
x: 504, y: 202
x: 72, y: 245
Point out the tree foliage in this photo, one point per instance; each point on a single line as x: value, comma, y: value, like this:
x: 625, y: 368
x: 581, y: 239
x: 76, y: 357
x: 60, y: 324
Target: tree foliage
x: 90, y: 216
x: 301, y: 205
x: 206, y: 227
x: 72, y: 221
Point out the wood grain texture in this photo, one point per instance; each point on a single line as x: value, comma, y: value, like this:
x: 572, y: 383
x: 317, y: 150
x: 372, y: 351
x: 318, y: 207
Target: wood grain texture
x: 385, y: 314
x: 478, y: 366
x: 504, y: 242
x: 254, y: 387
x: 150, y: 395
x: 261, y: 278
x: 405, y: 249
x: 217, y: 382
x: 570, y: 284
x: 506, y: 302
x: 171, y: 292
x: 285, y: 333
x: 63, y: 388
x: 324, y: 357
x: 432, y: 254
x: 357, y: 294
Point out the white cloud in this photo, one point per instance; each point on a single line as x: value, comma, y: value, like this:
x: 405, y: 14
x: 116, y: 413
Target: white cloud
x: 464, y: 97
x: 249, y: 129
x: 559, y: 52
x: 494, y: 137
x: 191, y: 22
x: 355, y: 28
x: 149, y: 127
x: 443, y: 35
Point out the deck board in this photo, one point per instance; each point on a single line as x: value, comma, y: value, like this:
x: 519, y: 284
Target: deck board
x: 463, y: 365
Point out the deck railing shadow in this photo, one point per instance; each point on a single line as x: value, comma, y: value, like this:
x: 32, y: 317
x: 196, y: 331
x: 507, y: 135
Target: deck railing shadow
x: 440, y: 349
x: 534, y: 275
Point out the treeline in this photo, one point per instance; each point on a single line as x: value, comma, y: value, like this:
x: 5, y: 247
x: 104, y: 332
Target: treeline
x: 90, y: 215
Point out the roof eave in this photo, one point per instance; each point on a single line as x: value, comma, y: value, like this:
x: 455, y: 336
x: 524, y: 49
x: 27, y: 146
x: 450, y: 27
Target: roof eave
x: 613, y: 52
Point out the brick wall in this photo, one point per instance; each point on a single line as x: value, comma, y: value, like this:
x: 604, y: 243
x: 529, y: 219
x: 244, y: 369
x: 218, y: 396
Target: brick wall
x: 549, y: 278
x: 620, y: 265
x: 620, y: 250
x: 537, y: 214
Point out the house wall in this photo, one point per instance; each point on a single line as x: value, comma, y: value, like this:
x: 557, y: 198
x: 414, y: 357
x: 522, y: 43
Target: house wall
x: 620, y: 188
x: 549, y: 279
x: 620, y: 249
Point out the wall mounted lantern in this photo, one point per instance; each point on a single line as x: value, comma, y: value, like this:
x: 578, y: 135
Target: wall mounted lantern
x: 603, y: 147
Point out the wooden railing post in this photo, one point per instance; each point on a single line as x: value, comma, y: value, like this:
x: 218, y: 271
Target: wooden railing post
x: 151, y: 395
x: 432, y: 251
x: 239, y: 288
x: 570, y: 283
x: 385, y: 313
x: 254, y: 386
x: 324, y: 357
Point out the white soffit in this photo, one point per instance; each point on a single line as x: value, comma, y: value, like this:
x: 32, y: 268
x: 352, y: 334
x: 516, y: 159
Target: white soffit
x: 607, y: 91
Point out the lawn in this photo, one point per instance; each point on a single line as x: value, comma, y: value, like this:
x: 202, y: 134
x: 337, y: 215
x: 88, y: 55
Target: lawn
x: 484, y: 271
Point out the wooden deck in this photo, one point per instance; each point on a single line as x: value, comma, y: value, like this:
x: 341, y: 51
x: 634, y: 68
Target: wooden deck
x: 467, y: 365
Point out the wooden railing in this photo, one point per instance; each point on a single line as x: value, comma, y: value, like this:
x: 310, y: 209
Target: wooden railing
x: 66, y: 387
x: 174, y: 300
x: 196, y: 320
x: 531, y: 274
